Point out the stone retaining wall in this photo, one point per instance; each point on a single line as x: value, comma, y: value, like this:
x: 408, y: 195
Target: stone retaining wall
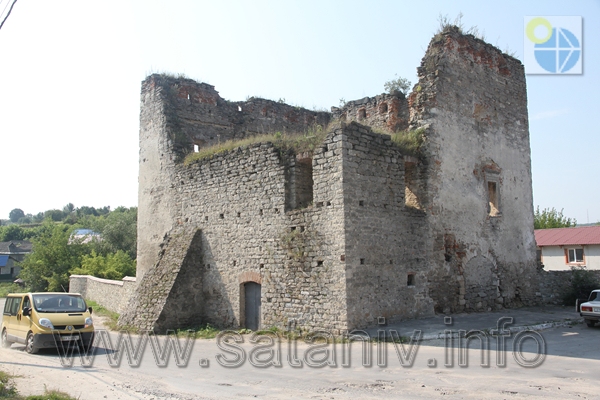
x: 114, y: 295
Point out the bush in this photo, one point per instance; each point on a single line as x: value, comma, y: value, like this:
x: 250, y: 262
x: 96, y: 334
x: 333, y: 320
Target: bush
x: 582, y: 282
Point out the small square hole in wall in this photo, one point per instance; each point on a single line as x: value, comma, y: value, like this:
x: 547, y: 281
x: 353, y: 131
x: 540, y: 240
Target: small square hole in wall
x: 361, y: 203
x: 221, y: 216
x: 362, y: 261
x: 261, y: 266
x: 260, y: 212
x: 206, y: 218
x: 391, y: 262
x: 239, y: 214
x: 319, y: 263
x: 293, y: 228
x: 410, y: 281
x: 301, y: 229
x: 234, y: 263
x: 277, y: 211
x: 320, y: 204
x: 328, y: 204
x: 343, y: 257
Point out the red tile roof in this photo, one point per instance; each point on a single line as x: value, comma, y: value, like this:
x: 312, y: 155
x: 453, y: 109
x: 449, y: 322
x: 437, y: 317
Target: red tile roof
x: 568, y: 236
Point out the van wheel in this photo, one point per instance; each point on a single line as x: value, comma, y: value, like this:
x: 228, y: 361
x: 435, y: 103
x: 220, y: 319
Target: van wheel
x: 29, y: 347
x: 5, y: 342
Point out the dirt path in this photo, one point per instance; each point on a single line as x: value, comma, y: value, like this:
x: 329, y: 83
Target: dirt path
x: 568, y: 371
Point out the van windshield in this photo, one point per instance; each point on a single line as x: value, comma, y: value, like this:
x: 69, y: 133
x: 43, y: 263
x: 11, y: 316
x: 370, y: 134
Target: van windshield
x: 58, y: 303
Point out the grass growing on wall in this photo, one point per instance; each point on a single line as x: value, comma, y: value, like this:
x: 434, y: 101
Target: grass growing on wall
x: 409, y: 142
x: 296, y: 142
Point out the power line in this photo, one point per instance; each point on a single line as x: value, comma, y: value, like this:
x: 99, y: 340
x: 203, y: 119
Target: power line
x: 9, y: 10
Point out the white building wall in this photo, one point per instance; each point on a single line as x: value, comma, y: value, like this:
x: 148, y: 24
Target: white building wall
x: 553, y: 257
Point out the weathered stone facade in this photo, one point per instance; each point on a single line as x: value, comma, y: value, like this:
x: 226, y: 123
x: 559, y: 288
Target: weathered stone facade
x: 355, y: 231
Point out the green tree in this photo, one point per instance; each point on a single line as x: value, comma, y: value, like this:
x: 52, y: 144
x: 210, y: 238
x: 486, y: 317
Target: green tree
x: 397, y: 85
x: 54, y: 215
x: 550, y: 218
x: 11, y: 232
x: 118, y: 230
x: 47, y: 267
x: 112, y: 266
x: 15, y: 215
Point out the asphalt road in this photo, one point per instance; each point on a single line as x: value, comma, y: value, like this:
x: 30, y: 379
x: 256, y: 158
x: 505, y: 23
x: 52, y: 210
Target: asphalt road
x: 557, y: 363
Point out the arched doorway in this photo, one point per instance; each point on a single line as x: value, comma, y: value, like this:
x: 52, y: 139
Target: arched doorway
x: 252, y: 305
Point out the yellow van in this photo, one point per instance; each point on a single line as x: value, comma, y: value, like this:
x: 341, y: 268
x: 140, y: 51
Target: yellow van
x: 46, y: 320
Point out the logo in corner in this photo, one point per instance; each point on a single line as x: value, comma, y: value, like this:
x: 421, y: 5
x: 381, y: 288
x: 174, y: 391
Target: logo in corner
x: 553, y: 45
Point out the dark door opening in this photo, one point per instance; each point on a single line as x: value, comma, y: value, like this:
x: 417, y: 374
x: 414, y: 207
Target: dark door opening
x: 252, y: 305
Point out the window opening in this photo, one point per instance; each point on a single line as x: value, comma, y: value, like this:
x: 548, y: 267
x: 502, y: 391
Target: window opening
x: 575, y: 255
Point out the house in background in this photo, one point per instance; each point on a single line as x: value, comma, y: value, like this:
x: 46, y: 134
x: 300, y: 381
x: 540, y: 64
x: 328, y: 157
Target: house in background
x: 563, y: 248
x: 12, y: 253
x: 84, y: 236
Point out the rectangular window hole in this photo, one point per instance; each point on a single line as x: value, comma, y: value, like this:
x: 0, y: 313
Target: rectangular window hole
x: 293, y: 228
x: 221, y: 216
x: 301, y: 229
x: 260, y: 212
x: 261, y: 266
x: 277, y: 211
x: 391, y: 262
x: 239, y: 214
x: 410, y: 280
x: 361, y: 203
x: 206, y: 218
x: 319, y: 263
x: 343, y: 257
x: 328, y: 204
x: 362, y: 261
x: 234, y: 263
x: 320, y: 204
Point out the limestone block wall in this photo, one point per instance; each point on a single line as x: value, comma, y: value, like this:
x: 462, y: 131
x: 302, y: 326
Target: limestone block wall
x: 169, y: 296
x: 178, y: 114
x: 472, y: 99
x: 386, y: 254
x: 238, y: 201
x: 387, y: 112
x: 112, y: 294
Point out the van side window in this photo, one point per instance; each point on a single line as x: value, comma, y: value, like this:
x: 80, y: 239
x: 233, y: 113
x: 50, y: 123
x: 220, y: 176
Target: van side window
x: 14, y: 307
x: 7, y: 305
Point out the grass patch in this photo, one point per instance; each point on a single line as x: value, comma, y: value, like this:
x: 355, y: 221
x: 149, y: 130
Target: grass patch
x: 297, y: 142
x: 9, y: 287
x: 9, y: 391
x: 113, y: 317
x: 51, y: 395
x: 410, y: 142
x: 202, y: 332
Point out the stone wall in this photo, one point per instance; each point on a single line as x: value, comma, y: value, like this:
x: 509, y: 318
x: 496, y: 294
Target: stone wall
x: 353, y: 231
x: 114, y: 295
x: 471, y: 99
x: 386, y: 260
x: 178, y: 114
x: 386, y: 112
x: 237, y: 203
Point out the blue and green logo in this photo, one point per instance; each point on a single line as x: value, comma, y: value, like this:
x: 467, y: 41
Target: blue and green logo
x: 553, y: 45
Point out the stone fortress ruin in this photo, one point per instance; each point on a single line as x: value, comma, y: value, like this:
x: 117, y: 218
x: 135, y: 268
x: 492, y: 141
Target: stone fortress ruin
x: 353, y: 230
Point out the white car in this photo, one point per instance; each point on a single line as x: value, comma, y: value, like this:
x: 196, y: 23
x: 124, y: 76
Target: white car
x: 590, y: 310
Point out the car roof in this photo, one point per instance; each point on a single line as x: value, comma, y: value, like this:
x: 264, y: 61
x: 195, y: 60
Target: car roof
x: 41, y: 293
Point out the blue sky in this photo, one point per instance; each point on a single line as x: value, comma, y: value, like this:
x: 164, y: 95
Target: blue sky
x: 71, y: 72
